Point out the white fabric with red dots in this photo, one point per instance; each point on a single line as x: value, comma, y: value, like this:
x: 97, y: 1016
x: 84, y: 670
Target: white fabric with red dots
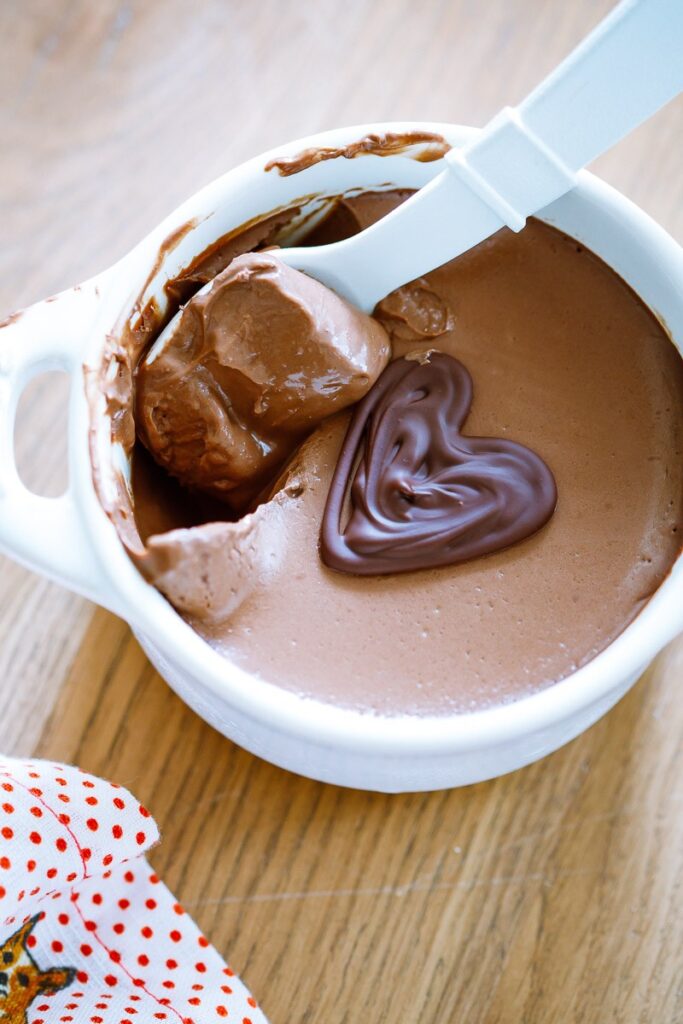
x: 90, y: 935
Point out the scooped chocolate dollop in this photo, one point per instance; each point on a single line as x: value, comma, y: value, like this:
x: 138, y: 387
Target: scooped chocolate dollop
x: 251, y: 366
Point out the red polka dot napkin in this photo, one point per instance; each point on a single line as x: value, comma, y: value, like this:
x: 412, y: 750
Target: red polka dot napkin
x: 89, y: 934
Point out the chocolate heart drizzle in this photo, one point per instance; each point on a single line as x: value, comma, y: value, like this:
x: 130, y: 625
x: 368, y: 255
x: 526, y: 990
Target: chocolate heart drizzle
x: 418, y: 493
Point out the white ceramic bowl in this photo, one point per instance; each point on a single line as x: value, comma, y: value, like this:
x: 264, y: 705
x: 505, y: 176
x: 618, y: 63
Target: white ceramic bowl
x: 71, y: 539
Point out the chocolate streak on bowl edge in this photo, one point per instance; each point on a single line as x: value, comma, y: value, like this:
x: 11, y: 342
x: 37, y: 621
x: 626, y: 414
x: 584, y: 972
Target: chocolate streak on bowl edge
x: 432, y: 147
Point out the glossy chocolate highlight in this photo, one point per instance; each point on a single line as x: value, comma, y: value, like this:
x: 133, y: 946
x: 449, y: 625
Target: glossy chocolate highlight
x: 422, y: 494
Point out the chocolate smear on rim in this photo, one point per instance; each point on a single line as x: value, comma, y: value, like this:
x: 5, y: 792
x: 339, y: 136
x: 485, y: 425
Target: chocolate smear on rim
x: 414, y: 491
x: 425, y: 146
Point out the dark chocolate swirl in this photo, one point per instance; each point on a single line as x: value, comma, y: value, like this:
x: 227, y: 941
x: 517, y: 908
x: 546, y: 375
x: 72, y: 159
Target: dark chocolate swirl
x: 414, y: 491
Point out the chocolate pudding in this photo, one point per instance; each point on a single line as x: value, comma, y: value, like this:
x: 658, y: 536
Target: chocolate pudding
x: 570, y: 376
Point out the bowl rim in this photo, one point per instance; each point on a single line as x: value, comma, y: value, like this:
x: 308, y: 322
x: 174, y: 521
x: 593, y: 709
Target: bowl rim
x: 306, y: 718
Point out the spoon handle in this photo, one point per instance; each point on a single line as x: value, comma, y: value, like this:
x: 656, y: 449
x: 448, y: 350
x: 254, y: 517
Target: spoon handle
x: 621, y: 74
x: 527, y: 156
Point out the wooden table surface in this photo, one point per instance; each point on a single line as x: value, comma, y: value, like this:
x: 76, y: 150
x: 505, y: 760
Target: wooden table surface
x: 552, y: 895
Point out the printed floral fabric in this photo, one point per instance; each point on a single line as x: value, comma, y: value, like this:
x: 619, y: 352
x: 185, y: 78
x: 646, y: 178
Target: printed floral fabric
x: 89, y: 934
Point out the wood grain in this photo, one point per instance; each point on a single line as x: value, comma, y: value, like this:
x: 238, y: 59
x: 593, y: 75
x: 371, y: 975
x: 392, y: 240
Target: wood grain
x: 551, y: 895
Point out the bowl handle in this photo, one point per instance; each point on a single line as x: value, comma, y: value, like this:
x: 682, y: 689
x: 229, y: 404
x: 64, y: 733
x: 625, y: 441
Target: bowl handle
x: 45, y: 534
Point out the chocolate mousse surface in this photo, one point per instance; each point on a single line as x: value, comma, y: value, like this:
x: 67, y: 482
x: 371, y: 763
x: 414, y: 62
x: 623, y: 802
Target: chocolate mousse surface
x: 564, y: 360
